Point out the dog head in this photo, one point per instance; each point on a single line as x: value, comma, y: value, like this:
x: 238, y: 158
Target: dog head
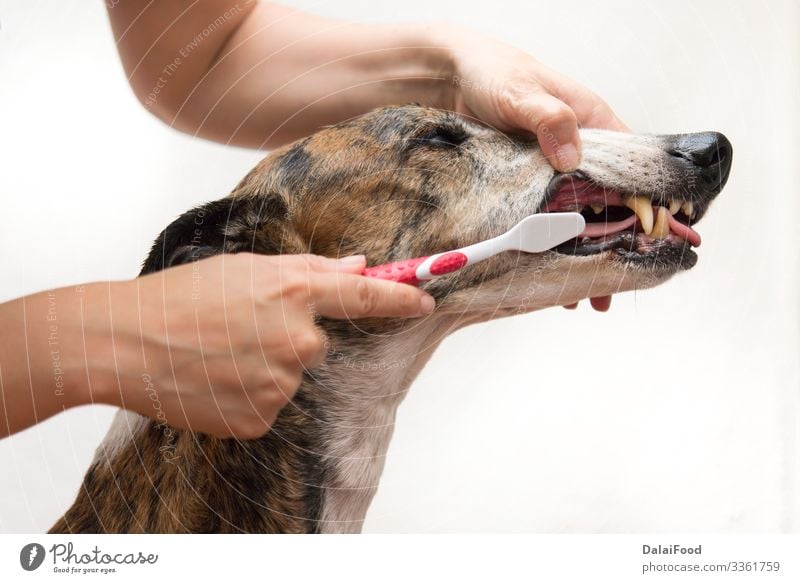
x: 403, y: 182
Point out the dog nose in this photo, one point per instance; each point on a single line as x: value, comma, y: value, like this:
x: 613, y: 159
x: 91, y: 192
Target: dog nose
x: 711, y: 155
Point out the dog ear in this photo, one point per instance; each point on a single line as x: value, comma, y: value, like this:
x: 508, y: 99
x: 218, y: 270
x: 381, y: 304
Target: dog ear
x: 189, y: 253
x: 230, y: 225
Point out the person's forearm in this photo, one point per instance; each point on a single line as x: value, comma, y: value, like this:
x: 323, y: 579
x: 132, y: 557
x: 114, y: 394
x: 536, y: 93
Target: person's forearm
x: 42, y: 354
x: 260, y: 74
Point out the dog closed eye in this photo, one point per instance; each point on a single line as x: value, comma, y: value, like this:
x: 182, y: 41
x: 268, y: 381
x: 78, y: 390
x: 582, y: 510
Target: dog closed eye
x: 440, y: 136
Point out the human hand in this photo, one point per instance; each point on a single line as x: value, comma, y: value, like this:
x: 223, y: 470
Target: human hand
x: 223, y: 342
x: 508, y: 89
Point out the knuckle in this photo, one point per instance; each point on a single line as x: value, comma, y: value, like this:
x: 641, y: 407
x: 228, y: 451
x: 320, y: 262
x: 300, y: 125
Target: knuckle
x: 263, y: 378
x: 221, y: 372
x: 307, y: 344
x: 269, y: 401
x: 251, y: 427
x: 528, y: 103
x: 284, y: 350
x: 512, y: 99
x: 516, y: 90
x: 294, y: 286
x: 556, y: 113
x: 407, y: 300
x: 312, y: 261
x: 368, y: 297
x: 286, y: 382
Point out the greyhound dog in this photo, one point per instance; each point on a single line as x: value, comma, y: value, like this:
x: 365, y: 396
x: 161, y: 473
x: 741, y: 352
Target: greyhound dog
x: 395, y: 183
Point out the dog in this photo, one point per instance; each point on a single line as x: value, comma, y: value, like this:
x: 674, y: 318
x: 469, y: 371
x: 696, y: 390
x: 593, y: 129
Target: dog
x: 395, y: 183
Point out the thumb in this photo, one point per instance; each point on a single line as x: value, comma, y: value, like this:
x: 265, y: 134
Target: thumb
x: 555, y: 125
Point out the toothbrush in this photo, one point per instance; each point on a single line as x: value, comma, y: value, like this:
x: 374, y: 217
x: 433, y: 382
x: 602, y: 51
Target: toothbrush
x: 532, y: 234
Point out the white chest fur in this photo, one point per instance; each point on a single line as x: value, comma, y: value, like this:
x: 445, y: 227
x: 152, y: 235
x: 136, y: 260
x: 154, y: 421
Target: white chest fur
x: 366, y: 391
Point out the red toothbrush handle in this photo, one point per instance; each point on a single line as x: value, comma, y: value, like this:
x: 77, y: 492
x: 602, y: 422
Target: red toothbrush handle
x: 399, y: 271
x: 406, y: 271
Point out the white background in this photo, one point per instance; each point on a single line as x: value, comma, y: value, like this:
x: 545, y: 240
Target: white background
x: 677, y: 411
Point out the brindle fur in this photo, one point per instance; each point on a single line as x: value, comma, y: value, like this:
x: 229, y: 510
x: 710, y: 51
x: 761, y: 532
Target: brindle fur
x: 395, y: 183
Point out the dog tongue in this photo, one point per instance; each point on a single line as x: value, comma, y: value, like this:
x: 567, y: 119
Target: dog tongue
x: 676, y: 227
x: 601, y: 229
x: 685, y: 232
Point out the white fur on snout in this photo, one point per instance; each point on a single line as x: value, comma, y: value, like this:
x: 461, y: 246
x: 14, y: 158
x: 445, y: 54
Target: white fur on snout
x: 628, y: 162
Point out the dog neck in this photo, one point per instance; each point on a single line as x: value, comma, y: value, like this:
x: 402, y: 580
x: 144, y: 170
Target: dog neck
x: 363, y: 382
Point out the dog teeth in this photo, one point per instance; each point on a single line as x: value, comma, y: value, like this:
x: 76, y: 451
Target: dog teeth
x: 661, y: 226
x: 655, y: 224
x: 644, y: 210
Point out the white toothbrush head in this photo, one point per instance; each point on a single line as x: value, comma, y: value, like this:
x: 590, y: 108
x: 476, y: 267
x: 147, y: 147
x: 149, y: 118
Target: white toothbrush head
x: 544, y: 231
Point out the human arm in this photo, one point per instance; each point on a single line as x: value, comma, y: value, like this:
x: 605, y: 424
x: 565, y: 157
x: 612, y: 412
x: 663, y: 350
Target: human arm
x: 218, y: 346
x: 259, y: 74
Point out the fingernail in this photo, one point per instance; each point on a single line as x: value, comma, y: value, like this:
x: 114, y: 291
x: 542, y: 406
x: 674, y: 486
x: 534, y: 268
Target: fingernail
x: 427, y: 304
x: 352, y: 260
x: 567, y: 158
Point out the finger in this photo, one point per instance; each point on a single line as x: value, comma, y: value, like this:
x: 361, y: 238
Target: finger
x: 353, y: 296
x: 571, y: 306
x: 320, y: 264
x: 555, y: 126
x: 601, y: 304
x: 589, y: 108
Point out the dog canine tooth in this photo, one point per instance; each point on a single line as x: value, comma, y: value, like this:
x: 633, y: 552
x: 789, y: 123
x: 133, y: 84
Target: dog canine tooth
x: 661, y: 227
x: 597, y: 208
x: 674, y: 206
x: 688, y: 209
x: 644, y: 210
